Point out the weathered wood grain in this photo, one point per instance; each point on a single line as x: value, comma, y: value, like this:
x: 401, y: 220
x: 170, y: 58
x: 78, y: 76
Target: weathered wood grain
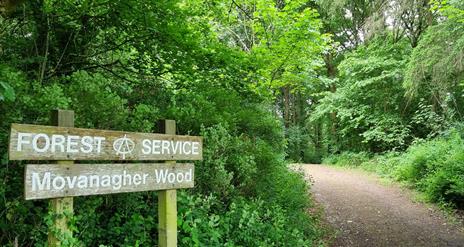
x: 118, y: 178
x: 167, y: 200
x: 106, y: 149
x: 61, y: 207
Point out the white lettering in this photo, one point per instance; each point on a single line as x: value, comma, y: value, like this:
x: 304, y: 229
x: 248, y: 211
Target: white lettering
x: 94, y: 181
x: 48, y: 181
x: 71, y: 181
x: 106, y: 181
x: 195, y: 148
x: 180, y: 177
x: 87, y: 144
x: 37, y: 185
x: 172, y: 178
x: 137, y: 179
x: 117, y: 181
x: 188, y: 176
x: 146, y: 149
x: 165, y: 147
x: 21, y: 140
x: 161, y: 175
x: 58, y: 140
x: 42, y: 143
x: 189, y: 150
x: 176, y: 147
x: 156, y: 147
x: 35, y: 141
x: 145, y: 175
x: 61, y: 181
x: 71, y: 144
x: 98, y: 140
x: 83, y: 182
x: 128, y: 177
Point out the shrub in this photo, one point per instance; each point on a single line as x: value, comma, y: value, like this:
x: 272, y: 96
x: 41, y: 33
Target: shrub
x: 436, y: 167
x: 346, y: 159
x: 298, y: 141
x: 204, y: 221
x: 382, y: 164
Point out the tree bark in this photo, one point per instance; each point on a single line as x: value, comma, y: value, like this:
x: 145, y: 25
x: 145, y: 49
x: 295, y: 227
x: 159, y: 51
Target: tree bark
x: 286, y: 91
x: 332, y: 73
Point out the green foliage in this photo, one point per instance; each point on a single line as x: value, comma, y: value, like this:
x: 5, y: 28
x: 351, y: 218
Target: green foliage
x: 388, y: 79
x: 297, y: 142
x: 91, y: 95
x: 9, y: 76
x: 227, y: 166
x: 242, y: 223
x: 345, y: 28
x: 7, y: 92
x: 452, y: 9
x: 288, y: 36
x: 368, y: 98
x: 434, y: 167
x: 117, y: 220
x: 346, y: 159
x: 382, y: 164
x: 426, y: 122
x: 436, y: 69
x: 124, y: 65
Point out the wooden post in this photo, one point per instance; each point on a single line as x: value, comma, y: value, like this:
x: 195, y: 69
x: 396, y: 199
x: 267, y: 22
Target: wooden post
x: 60, y: 206
x: 167, y: 201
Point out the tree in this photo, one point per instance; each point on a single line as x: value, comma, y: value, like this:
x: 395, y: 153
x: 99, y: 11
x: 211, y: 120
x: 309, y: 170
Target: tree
x: 369, y: 98
x: 436, y: 70
x: 126, y: 64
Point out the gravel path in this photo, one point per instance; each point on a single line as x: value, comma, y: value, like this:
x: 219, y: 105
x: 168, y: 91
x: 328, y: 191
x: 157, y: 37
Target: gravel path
x: 366, y: 213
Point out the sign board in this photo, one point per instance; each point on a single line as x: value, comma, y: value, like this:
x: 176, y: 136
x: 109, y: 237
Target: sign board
x: 58, y: 180
x: 37, y: 142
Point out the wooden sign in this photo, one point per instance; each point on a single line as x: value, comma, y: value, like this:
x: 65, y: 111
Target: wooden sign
x: 58, y: 180
x: 37, y: 142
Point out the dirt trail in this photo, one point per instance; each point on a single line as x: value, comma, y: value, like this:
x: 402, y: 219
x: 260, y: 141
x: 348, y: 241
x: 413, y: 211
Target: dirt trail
x: 367, y: 213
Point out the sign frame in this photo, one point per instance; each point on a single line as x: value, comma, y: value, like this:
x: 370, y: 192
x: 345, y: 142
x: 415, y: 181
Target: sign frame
x: 62, y: 204
x: 41, y: 180
x: 41, y: 142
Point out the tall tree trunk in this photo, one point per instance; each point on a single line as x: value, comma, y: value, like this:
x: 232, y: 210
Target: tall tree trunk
x: 286, y: 92
x: 299, y: 107
x: 332, y: 73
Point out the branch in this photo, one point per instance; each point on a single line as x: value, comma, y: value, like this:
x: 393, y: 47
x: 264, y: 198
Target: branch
x: 89, y: 67
x: 117, y: 75
x: 274, y: 73
x: 244, y: 11
x: 64, y: 51
x: 47, y: 41
x: 245, y: 47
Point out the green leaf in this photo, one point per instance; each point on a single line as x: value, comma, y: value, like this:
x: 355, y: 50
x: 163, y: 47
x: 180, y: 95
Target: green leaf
x: 7, y: 92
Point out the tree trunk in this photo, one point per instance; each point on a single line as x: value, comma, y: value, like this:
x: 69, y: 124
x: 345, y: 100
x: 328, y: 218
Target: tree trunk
x: 332, y: 73
x: 286, y: 91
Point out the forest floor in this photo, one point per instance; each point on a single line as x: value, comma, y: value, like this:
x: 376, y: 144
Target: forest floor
x: 365, y: 211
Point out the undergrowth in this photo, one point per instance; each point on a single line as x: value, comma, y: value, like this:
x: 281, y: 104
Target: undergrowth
x: 434, y: 167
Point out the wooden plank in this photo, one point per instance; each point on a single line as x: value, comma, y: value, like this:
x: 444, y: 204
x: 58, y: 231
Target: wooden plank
x: 167, y: 201
x: 65, y: 205
x: 53, y: 180
x: 167, y: 212
x: 37, y: 142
